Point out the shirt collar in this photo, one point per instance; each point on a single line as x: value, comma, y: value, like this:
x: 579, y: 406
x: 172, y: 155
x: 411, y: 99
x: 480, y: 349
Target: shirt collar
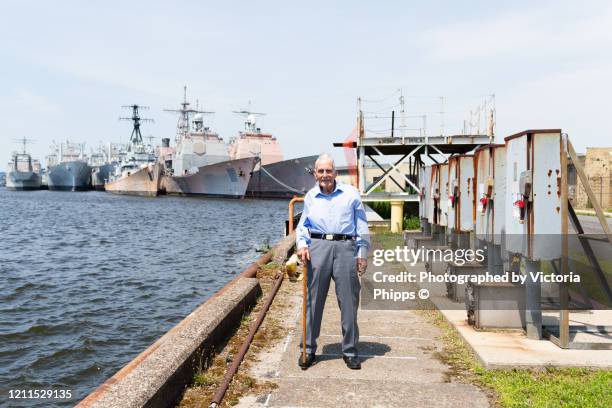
x: 337, y: 188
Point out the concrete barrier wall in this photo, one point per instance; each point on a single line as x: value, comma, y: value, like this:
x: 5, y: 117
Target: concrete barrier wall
x: 158, y: 376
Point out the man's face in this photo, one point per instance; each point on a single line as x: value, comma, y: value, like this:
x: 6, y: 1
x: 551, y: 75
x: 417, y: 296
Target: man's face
x: 325, y: 175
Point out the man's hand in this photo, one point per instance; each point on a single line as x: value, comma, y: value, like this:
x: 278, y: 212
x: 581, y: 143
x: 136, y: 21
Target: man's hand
x: 303, y: 254
x: 362, y: 264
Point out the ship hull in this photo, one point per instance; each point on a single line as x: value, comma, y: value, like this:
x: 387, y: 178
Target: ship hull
x: 283, y: 179
x: 100, y: 174
x: 22, y: 181
x: 142, y: 182
x: 228, y: 179
x: 69, y: 176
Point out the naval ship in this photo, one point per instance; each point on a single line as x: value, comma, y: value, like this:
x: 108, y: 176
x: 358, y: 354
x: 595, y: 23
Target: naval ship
x: 273, y: 177
x: 103, y: 163
x: 139, y: 173
x: 67, y: 167
x: 200, y: 164
x: 24, y: 173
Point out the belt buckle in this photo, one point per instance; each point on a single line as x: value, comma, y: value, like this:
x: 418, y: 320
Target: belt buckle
x: 329, y: 237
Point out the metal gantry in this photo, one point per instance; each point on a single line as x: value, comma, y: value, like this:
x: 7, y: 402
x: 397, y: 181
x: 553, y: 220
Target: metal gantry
x: 414, y: 151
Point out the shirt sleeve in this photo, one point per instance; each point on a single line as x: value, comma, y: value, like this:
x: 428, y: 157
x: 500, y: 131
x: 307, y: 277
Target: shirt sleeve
x: 302, y: 235
x: 361, y: 227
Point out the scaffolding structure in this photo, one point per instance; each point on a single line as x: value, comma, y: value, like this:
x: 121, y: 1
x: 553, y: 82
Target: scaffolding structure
x: 416, y: 151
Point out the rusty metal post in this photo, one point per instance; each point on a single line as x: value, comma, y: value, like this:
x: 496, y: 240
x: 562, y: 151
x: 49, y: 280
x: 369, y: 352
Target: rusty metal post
x: 292, y: 211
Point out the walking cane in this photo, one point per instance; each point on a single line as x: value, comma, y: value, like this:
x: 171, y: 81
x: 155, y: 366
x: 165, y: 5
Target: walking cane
x: 304, y: 296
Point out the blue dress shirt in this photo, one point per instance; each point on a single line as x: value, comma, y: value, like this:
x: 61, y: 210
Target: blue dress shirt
x: 340, y: 212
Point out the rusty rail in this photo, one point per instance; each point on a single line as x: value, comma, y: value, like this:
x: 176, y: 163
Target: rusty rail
x: 222, y: 389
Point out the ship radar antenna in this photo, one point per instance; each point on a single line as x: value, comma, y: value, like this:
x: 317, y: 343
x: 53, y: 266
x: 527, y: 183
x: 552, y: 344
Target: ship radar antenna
x: 136, y: 136
x: 182, y: 127
x: 250, y: 124
x: 24, y: 141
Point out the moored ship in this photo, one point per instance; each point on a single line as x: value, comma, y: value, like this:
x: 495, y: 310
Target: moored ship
x: 67, y: 167
x: 103, y: 163
x: 273, y: 177
x: 24, y: 173
x: 200, y: 162
x: 139, y: 173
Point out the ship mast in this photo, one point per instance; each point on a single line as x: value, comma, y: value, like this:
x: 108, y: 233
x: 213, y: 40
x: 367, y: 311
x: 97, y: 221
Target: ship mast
x: 23, y: 141
x: 136, y: 136
x: 250, y: 124
x: 182, y: 127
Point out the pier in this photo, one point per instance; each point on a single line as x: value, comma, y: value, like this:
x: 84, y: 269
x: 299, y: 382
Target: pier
x: 433, y: 341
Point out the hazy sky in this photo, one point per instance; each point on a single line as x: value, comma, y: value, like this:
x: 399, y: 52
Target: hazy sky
x: 66, y: 67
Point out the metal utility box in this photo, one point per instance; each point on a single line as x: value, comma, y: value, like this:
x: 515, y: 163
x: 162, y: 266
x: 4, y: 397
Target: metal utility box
x: 460, y: 200
x: 456, y: 291
x: 467, y: 195
x: 433, y: 201
x: 424, y: 196
x: 499, y: 194
x: 443, y: 195
x: 499, y: 306
x: 452, y: 199
x: 490, y: 189
x: 535, y: 215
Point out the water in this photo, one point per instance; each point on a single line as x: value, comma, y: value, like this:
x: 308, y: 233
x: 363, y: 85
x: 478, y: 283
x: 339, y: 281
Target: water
x: 89, y: 280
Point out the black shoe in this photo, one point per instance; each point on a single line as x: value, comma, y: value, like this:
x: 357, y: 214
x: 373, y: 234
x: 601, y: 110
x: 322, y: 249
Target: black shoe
x: 352, y: 362
x: 310, y: 359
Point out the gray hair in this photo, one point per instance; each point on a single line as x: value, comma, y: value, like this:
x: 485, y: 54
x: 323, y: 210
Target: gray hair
x: 325, y: 157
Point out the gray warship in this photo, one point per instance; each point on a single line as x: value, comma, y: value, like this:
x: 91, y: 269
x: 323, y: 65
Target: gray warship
x: 200, y: 163
x: 103, y: 163
x: 24, y: 173
x: 67, y: 167
x: 273, y: 177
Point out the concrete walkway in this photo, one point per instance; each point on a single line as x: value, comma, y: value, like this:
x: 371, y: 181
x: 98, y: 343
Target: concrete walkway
x: 399, y: 367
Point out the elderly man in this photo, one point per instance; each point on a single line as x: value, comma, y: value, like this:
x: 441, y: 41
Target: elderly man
x: 333, y: 235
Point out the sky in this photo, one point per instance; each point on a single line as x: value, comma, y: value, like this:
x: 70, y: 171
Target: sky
x: 67, y: 67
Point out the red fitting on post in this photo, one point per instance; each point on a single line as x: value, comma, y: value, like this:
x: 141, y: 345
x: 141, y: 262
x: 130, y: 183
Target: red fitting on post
x: 520, y: 204
x: 483, y: 204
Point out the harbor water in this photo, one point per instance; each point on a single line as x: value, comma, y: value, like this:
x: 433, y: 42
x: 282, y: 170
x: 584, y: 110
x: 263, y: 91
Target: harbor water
x: 89, y: 280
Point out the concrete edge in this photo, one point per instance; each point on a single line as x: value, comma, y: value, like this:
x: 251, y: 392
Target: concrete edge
x: 483, y: 362
x: 158, y: 376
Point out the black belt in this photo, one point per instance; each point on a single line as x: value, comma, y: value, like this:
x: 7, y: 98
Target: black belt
x: 332, y: 237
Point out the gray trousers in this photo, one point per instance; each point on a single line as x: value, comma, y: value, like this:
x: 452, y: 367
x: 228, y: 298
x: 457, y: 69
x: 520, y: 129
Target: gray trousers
x: 337, y: 260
